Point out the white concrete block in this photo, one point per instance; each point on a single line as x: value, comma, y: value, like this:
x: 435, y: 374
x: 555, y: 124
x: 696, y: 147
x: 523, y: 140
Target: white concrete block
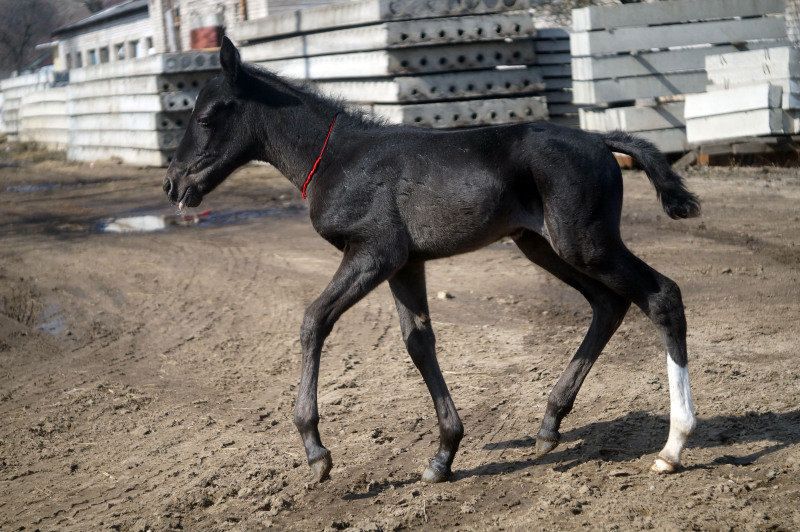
x: 700, y: 33
x: 363, y: 12
x: 634, y: 119
x: 644, y: 64
x: 614, y: 90
x: 130, y: 121
x: 748, y: 98
x: 405, y: 61
x: 465, y: 113
x: 154, y: 140
x: 136, y: 156
x: 450, y: 86
x: 667, y: 140
x: 416, y: 33
x: 618, y: 16
x: 783, y: 61
x: 743, y: 124
x: 194, y: 61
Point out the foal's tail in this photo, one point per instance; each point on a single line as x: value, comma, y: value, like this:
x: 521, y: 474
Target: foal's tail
x: 677, y: 200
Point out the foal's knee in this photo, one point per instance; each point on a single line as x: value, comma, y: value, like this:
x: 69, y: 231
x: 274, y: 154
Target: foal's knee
x: 420, y: 343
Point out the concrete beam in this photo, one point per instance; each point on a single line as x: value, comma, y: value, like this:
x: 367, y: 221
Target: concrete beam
x: 406, y: 61
x: 667, y: 140
x: 148, y: 84
x: 699, y: 33
x: 140, y: 103
x: 412, y: 33
x: 615, y: 90
x: 606, y: 17
x: 131, y: 121
x: 195, y: 61
x: 52, y: 139
x: 644, y: 64
x: 783, y: 58
x: 761, y: 96
x: 634, y: 119
x: 743, y: 124
x: 459, y: 85
x: 136, y: 156
x: 465, y: 113
x: 790, y: 88
x: 363, y: 12
x: 150, y: 140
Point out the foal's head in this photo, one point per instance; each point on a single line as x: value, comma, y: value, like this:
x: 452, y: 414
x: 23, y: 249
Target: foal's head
x: 219, y: 138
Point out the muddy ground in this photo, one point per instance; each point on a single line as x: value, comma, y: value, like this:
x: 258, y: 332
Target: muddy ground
x: 147, y: 380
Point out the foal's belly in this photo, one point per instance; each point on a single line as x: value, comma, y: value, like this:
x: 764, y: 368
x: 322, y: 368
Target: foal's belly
x: 448, y: 218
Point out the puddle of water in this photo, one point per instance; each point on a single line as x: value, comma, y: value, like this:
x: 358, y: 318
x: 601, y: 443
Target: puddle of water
x: 157, y: 222
x: 32, y: 188
x: 52, y: 320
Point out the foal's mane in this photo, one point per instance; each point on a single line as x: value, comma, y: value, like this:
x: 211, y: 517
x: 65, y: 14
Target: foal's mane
x: 311, y: 96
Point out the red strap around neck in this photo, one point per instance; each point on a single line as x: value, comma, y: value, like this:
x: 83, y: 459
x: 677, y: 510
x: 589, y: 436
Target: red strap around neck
x: 314, y: 168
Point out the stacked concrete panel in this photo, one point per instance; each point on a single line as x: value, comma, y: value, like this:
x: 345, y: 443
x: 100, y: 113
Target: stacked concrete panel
x: 552, y: 47
x: 753, y: 93
x: 656, y: 52
x: 136, y: 110
x: 13, y: 90
x: 433, y: 63
x: 43, y: 118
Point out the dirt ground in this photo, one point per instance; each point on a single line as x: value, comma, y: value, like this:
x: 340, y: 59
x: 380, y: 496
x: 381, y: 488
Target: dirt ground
x: 147, y: 380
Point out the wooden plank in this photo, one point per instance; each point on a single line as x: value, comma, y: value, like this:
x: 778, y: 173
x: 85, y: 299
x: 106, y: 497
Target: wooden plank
x: 615, y: 90
x: 736, y: 100
x: 634, y: 119
x: 602, y: 17
x: 700, y: 33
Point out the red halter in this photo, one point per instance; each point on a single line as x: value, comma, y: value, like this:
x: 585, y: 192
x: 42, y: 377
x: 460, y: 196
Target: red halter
x: 314, y: 168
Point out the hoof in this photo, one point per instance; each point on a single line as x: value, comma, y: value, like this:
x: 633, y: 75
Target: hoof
x: 545, y: 446
x: 321, y: 467
x: 664, y: 467
x: 433, y: 474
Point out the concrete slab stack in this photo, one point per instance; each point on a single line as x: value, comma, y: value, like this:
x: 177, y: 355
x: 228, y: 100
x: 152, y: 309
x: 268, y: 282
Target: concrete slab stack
x: 43, y: 118
x: 135, y: 110
x: 13, y: 90
x: 654, y: 54
x: 433, y: 63
x: 753, y: 93
x: 553, y: 58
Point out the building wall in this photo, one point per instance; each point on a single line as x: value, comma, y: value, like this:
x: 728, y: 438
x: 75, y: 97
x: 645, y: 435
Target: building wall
x: 117, y: 40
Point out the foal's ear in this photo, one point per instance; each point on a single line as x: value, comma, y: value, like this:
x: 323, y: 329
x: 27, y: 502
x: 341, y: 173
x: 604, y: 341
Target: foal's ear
x: 231, y: 61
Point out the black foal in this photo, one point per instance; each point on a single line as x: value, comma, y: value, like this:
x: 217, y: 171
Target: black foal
x: 392, y: 197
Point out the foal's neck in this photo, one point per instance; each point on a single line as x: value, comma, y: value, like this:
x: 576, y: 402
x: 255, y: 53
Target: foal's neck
x: 292, y: 136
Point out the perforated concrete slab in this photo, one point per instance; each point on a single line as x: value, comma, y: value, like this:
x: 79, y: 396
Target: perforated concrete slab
x: 414, y: 33
x: 365, y: 12
x: 406, y: 61
x: 434, y: 87
x: 465, y: 113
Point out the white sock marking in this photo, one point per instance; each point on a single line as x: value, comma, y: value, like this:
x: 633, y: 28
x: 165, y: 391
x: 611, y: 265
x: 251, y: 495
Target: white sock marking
x: 681, y: 412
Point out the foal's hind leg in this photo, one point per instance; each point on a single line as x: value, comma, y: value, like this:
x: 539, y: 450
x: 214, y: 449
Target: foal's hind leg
x: 608, y: 310
x: 408, y: 288
x: 602, y: 255
x: 362, y: 269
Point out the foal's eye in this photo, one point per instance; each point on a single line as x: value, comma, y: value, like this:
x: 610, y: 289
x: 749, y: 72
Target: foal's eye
x: 204, y: 122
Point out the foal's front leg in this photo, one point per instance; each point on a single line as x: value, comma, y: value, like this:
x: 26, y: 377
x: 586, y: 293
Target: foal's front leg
x: 408, y: 288
x: 361, y: 270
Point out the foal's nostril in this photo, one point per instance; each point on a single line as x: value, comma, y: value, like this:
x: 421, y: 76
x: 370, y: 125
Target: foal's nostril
x: 167, y: 185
